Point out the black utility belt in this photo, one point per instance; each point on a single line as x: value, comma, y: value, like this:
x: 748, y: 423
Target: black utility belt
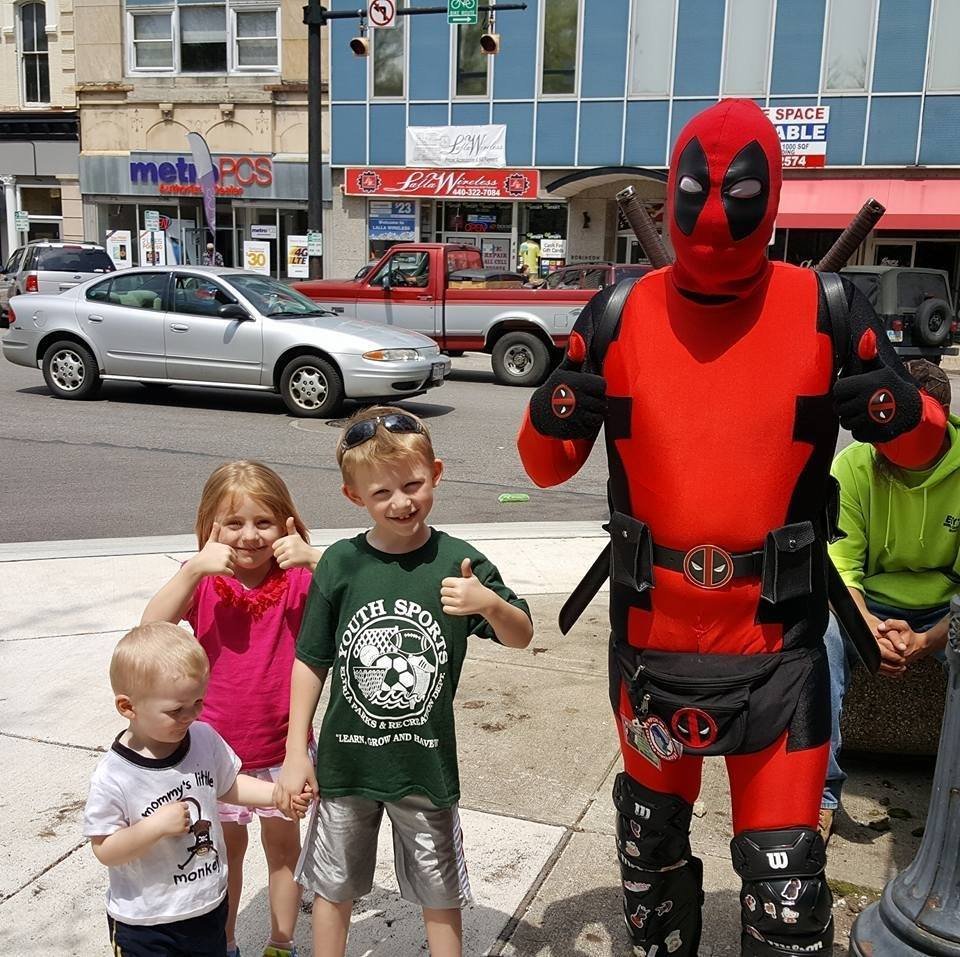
x: 784, y: 565
x: 716, y: 704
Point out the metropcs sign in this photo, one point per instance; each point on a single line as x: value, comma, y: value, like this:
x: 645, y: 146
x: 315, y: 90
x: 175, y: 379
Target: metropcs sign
x: 178, y: 175
x: 803, y: 134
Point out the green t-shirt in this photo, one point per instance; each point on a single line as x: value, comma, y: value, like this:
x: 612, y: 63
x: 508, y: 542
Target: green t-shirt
x: 375, y: 620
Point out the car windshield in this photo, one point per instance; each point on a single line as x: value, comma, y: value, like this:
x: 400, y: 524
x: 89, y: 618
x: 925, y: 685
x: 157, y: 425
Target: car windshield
x: 73, y: 259
x: 272, y: 298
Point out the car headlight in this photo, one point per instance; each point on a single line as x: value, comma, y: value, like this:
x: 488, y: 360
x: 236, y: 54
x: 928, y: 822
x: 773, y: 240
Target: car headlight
x: 392, y: 355
x: 429, y: 352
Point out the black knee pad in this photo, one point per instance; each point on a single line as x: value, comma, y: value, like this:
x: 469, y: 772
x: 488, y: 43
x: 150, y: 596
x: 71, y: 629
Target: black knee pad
x: 786, y: 905
x: 653, y: 829
x: 662, y: 883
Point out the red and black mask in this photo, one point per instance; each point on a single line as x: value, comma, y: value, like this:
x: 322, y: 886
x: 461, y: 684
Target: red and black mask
x: 723, y: 190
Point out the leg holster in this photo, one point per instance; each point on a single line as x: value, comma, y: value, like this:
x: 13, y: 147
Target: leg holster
x: 662, y: 883
x: 785, y: 901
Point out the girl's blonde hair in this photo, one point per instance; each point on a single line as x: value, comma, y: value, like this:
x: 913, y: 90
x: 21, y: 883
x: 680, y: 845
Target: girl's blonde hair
x: 246, y: 477
x: 384, y: 448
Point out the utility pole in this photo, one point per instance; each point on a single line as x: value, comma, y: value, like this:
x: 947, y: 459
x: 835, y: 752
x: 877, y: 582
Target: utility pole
x: 316, y: 17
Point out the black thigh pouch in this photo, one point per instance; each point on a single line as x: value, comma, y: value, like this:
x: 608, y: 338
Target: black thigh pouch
x: 717, y: 704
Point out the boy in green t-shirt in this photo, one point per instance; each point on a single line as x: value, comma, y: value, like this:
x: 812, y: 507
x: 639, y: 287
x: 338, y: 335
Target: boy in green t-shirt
x: 389, y: 614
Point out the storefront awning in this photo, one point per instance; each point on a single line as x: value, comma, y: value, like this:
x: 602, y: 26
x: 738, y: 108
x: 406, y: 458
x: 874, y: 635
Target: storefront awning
x: 832, y: 203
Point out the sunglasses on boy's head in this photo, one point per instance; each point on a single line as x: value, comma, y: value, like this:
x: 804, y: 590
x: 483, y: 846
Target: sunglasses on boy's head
x: 366, y: 429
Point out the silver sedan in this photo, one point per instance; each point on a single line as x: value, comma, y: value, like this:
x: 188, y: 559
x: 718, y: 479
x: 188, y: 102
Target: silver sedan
x: 207, y: 326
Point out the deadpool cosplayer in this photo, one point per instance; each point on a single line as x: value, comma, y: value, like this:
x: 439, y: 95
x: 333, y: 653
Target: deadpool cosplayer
x: 720, y: 390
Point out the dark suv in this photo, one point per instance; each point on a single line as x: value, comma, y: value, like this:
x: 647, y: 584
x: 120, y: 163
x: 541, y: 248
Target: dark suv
x: 914, y: 305
x: 592, y: 275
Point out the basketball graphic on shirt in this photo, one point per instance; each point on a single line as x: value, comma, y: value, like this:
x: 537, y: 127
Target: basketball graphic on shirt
x: 391, y: 667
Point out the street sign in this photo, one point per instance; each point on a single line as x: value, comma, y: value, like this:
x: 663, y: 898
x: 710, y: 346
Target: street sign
x: 382, y: 13
x: 462, y: 11
x: 314, y: 243
x: 151, y: 219
x: 21, y: 220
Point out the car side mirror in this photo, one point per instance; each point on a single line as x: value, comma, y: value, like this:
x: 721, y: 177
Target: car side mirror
x: 387, y: 284
x: 233, y: 310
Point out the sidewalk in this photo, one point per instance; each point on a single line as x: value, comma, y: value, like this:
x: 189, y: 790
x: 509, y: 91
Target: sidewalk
x: 538, y: 755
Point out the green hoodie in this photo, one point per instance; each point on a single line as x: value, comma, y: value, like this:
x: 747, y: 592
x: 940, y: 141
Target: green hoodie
x: 903, y: 537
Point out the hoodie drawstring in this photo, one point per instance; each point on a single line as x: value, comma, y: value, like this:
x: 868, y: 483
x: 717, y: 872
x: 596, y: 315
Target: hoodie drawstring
x: 923, y: 518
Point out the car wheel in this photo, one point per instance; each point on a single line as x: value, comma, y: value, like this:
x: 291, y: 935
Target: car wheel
x: 311, y: 387
x: 932, y: 322
x: 70, y: 370
x: 520, y: 358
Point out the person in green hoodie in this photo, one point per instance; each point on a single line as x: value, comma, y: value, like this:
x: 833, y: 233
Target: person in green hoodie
x: 900, y: 560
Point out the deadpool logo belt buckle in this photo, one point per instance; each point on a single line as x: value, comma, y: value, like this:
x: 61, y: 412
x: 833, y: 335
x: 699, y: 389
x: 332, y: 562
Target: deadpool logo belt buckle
x: 708, y: 566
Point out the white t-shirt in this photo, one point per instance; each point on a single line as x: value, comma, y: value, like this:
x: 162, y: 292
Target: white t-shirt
x: 179, y: 877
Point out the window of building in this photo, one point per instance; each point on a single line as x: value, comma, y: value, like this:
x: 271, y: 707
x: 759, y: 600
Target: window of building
x: 651, y: 46
x: 747, y: 50
x: 850, y: 34
x: 34, y: 58
x: 944, y: 68
x: 192, y: 36
x: 389, y: 59
x: 560, y: 24
x: 472, y: 62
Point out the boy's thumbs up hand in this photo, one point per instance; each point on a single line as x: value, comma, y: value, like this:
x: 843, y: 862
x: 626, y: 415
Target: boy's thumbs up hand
x: 466, y: 595
x: 215, y: 558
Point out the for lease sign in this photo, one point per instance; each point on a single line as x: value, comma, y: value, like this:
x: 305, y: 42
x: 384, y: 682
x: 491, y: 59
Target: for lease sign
x: 803, y: 133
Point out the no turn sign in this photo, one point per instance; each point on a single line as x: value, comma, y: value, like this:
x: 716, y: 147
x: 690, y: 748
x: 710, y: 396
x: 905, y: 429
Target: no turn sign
x: 382, y: 13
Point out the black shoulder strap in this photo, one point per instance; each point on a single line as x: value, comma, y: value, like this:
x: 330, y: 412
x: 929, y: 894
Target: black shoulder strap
x: 606, y: 327
x: 838, y: 312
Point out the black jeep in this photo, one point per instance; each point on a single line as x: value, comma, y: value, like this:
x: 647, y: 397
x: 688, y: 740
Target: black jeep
x: 915, y: 307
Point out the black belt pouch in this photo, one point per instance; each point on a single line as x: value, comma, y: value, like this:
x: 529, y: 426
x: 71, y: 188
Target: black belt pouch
x: 750, y: 699
x: 788, y: 563
x: 631, y: 552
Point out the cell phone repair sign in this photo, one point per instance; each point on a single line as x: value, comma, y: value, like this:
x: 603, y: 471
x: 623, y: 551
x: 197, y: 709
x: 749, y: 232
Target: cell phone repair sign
x: 803, y: 134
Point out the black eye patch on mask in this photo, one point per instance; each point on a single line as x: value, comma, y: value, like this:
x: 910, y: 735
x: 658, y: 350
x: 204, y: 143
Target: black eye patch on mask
x: 744, y: 215
x: 687, y: 206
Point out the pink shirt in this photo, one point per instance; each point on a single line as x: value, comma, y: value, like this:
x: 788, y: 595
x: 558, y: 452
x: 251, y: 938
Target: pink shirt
x: 249, y: 636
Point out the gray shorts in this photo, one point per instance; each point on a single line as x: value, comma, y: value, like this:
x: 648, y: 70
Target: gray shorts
x: 340, y: 850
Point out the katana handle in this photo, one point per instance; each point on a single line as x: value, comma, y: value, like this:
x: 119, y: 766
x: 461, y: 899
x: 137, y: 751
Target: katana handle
x: 643, y: 227
x: 847, y: 242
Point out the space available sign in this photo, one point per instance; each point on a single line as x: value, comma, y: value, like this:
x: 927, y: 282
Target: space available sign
x: 445, y: 146
x: 442, y: 184
x: 803, y: 134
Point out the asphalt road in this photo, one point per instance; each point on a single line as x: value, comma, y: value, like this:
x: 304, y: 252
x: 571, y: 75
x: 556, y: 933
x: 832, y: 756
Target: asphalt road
x: 133, y: 461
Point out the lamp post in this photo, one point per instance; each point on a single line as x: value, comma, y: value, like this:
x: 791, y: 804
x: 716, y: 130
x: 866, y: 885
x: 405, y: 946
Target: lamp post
x: 316, y: 17
x: 919, y: 912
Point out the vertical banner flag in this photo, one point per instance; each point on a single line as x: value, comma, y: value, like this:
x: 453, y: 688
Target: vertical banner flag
x: 207, y: 177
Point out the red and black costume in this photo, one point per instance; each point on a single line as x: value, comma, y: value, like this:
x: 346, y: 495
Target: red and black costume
x: 720, y: 401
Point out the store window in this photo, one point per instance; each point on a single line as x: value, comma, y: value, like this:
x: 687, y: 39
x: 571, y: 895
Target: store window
x: 944, y: 69
x: 388, y: 60
x: 651, y: 46
x: 43, y: 205
x: 850, y: 35
x: 747, y: 45
x: 543, y: 234
x: 472, y: 62
x: 560, y: 26
x: 34, y: 56
x: 476, y: 218
x: 808, y: 246
x: 186, y: 36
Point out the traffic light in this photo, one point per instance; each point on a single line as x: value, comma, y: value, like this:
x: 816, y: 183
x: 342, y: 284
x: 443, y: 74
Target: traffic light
x: 360, y: 44
x: 489, y: 40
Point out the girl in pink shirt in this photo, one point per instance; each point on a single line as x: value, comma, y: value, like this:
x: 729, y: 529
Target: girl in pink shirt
x: 244, y: 593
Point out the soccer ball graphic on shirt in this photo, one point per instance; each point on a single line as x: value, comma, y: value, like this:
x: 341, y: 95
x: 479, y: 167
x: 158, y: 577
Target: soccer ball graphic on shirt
x: 397, y: 673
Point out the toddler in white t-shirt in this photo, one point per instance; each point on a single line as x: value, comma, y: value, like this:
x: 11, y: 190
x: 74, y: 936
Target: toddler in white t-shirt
x: 151, y: 815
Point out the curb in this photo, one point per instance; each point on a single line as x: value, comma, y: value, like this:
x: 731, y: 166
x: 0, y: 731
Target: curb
x: 163, y: 544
